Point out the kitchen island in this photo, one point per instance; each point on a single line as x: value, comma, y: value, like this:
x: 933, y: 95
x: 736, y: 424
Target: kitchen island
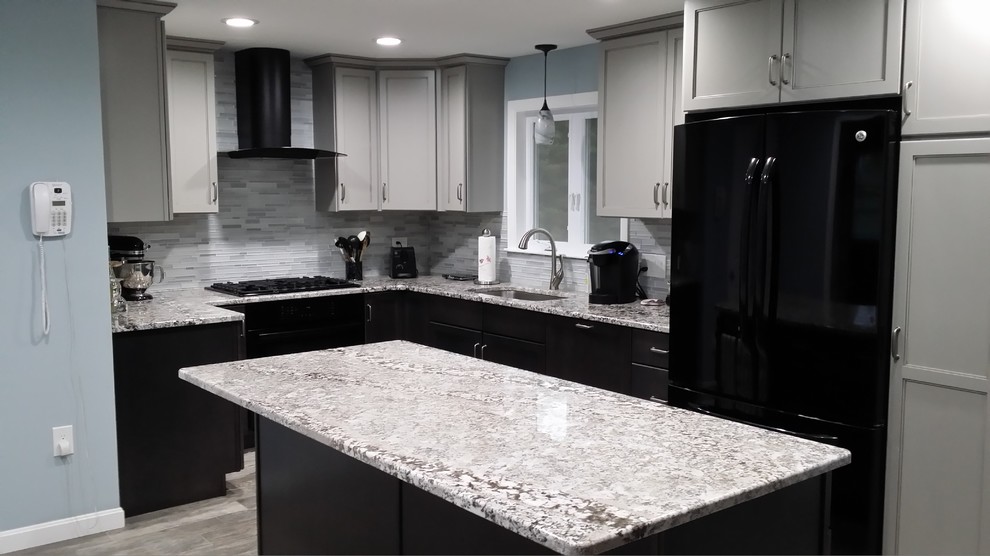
x: 398, y: 447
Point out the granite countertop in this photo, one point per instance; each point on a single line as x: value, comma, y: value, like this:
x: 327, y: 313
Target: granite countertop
x: 199, y: 306
x: 575, y: 468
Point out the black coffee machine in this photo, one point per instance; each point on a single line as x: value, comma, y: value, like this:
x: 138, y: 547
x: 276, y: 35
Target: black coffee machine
x: 614, y: 269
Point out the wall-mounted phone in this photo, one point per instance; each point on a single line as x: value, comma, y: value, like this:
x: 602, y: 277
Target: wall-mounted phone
x: 51, y: 208
x: 51, y: 216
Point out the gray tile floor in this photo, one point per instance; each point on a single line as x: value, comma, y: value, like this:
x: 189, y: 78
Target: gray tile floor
x: 224, y: 526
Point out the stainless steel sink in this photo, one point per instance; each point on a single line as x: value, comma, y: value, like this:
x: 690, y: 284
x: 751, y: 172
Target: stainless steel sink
x: 519, y: 294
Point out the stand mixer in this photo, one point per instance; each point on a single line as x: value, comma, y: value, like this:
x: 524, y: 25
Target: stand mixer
x: 129, y: 266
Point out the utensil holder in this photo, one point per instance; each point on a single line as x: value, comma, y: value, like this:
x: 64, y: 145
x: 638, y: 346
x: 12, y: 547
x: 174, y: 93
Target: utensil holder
x: 353, y: 271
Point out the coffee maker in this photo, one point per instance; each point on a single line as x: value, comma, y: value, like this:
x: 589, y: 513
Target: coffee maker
x: 130, y: 267
x: 614, y: 267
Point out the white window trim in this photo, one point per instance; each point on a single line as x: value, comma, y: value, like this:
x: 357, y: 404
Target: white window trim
x: 517, y: 112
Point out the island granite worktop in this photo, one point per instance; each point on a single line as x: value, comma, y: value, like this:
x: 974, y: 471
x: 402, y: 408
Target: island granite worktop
x: 574, y: 468
x: 199, y: 306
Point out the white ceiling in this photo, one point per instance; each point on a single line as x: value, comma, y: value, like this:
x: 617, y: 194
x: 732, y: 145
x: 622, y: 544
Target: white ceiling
x: 428, y: 28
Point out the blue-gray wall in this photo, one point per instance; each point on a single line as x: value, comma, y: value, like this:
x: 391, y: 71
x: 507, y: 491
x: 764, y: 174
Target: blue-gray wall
x: 50, y: 130
x: 569, y: 71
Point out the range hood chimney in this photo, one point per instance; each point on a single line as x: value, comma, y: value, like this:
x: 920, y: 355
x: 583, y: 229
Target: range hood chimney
x: 264, y: 122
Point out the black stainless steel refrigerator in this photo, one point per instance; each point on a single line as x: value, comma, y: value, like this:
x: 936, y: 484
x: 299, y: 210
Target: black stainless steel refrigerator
x: 782, y: 244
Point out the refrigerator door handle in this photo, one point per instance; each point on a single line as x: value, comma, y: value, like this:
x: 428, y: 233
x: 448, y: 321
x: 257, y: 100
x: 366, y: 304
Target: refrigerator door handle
x: 764, y: 222
x: 804, y: 435
x: 745, y: 249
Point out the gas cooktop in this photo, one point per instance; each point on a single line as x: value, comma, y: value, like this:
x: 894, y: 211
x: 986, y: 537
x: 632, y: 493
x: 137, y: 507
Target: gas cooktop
x: 281, y: 285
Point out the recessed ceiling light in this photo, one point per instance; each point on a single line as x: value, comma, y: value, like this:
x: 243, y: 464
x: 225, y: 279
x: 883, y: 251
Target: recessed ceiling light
x: 388, y: 41
x: 239, y: 21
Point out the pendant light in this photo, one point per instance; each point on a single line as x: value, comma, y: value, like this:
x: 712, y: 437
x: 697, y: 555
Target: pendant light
x: 544, y: 130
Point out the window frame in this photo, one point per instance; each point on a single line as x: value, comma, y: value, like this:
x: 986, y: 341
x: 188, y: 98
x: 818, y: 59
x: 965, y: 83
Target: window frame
x: 520, y: 196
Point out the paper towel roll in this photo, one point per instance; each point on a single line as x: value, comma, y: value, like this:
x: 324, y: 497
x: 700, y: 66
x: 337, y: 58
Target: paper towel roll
x: 486, y: 258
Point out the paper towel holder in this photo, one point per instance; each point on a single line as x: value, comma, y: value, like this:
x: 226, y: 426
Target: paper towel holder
x: 487, y: 233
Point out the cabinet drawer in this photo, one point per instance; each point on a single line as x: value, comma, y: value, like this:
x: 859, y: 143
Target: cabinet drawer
x: 650, y: 348
x: 458, y: 312
x: 648, y: 382
x: 464, y: 341
x: 515, y: 323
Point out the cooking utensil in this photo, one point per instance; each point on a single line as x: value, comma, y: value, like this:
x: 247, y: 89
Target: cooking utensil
x: 355, y: 244
x: 345, y: 249
x: 365, y: 238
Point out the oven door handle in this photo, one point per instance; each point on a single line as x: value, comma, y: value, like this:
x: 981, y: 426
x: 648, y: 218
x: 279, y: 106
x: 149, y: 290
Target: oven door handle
x: 297, y: 333
x: 806, y: 436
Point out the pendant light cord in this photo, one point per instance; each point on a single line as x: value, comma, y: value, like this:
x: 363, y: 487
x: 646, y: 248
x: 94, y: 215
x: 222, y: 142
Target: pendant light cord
x: 545, y: 78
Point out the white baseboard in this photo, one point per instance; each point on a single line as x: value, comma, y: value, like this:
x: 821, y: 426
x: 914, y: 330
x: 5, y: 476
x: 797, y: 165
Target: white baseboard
x: 60, y: 530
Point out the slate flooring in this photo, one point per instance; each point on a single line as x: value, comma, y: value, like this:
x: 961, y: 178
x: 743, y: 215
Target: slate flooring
x: 225, y: 526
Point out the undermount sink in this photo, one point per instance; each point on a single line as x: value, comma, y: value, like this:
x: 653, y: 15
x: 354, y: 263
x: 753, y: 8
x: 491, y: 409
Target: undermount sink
x: 519, y: 294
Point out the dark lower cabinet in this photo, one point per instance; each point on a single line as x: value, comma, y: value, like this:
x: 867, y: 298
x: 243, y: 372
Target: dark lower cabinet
x: 589, y: 352
x: 521, y: 354
x: 384, y: 317
x: 649, y: 383
x: 175, y: 441
x: 313, y: 499
x: 455, y: 339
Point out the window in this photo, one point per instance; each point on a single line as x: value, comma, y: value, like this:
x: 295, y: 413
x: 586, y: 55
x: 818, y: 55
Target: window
x: 555, y: 186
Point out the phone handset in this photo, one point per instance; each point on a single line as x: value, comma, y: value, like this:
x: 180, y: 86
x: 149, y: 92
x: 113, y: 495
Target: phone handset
x: 51, y: 208
x: 51, y: 216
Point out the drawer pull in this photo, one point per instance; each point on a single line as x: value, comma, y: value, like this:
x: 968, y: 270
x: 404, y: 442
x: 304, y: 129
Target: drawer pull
x: 658, y: 400
x: 659, y: 351
x: 583, y: 326
x: 476, y: 344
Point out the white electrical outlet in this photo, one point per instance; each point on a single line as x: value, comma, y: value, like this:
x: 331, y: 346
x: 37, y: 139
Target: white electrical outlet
x: 62, y: 442
x: 403, y: 240
x: 656, y: 264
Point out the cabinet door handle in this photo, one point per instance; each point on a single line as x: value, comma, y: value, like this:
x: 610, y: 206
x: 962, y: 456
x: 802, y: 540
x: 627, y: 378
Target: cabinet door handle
x: 895, y: 340
x: 907, y: 110
x: 368, y: 305
x: 476, y: 344
x: 658, y: 400
x: 583, y: 326
x: 216, y: 193
x: 656, y: 191
x: 483, y: 351
x: 384, y: 191
x: 770, y: 61
x: 783, y: 61
x: 343, y: 192
x: 663, y: 195
x: 459, y: 196
x: 659, y: 351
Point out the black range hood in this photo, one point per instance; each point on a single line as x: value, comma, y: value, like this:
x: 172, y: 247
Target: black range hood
x: 264, y: 122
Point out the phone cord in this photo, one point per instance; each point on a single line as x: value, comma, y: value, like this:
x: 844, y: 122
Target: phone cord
x: 44, y: 286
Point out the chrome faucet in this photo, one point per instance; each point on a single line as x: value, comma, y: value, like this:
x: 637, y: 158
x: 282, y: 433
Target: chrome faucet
x: 556, y: 263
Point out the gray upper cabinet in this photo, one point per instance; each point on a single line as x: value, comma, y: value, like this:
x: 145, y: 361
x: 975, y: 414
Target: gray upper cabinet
x: 345, y: 119
x: 192, y: 126
x: 471, y: 124
x: 733, y: 53
x: 755, y: 52
x: 840, y: 48
x: 407, y: 116
x: 135, y: 129
x: 638, y: 108
x: 946, y: 77
x: 938, y: 469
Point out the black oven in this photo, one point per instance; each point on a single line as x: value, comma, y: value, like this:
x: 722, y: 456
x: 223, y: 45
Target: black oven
x: 296, y: 325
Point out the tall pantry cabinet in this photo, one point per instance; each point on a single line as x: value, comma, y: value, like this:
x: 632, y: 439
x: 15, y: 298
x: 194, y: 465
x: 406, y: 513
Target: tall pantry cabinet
x: 938, y: 457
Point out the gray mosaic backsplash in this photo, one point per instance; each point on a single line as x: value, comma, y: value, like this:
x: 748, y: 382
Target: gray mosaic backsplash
x: 267, y: 225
